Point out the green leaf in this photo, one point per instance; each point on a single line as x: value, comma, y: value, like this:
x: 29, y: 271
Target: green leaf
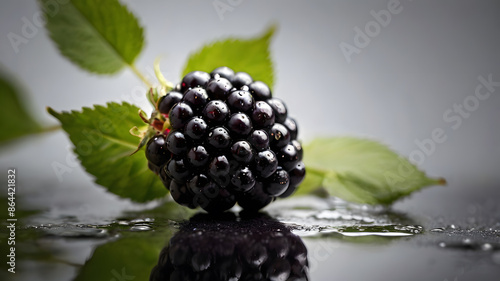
x: 104, y: 146
x: 99, y: 36
x: 361, y: 171
x: 17, y: 120
x: 250, y: 55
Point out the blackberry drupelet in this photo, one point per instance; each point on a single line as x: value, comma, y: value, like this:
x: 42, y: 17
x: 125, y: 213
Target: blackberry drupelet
x: 228, y: 141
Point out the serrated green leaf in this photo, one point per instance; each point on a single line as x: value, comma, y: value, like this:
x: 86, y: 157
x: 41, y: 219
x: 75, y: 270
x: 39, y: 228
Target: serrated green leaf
x: 99, y: 36
x: 361, y: 171
x: 248, y: 55
x: 16, y: 119
x: 104, y: 145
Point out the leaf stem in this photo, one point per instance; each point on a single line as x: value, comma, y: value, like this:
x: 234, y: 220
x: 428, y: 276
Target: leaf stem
x: 140, y: 75
x: 49, y: 129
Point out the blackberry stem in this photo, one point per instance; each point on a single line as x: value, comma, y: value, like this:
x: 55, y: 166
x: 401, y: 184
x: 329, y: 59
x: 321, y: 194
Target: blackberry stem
x: 50, y: 129
x: 163, y: 81
x: 140, y: 75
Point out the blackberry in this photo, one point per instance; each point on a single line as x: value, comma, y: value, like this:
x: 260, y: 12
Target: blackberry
x: 262, y: 115
x: 167, y: 102
x: 239, y: 124
x: 260, y: 90
x: 241, y: 79
x: 219, y: 87
x: 219, y: 138
x: 241, y: 101
x: 266, y: 163
x: 226, y: 140
x: 243, y: 180
x: 180, y: 114
x: 291, y: 126
x: 224, y: 72
x: 196, y: 128
x: 277, y: 183
x: 194, y: 79
x: 214, y: 113
x: 156, y: 151
x: 279, y: 108
x: 248, y: 247
x: 259, y: 140
x: 279, y: 135
x: 196, y: 98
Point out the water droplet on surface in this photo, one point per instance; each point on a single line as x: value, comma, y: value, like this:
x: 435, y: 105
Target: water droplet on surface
x: 442, y: 245
x: 122, y: 222
x: 437, y: 229
x: 486, y: 247
x: 140, y: 228
x: 368, y: 220
x: 136, y: 221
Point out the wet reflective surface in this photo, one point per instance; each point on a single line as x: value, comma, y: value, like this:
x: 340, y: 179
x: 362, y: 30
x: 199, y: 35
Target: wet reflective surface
x: 296, y: 239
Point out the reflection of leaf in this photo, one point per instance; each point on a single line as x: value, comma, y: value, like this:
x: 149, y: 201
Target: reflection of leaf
x: 361, y: 171
x: 104, y: 146
x: 132, y: 256
x: 99, y: 36
x: 250, y: 55
x: 16, y: 120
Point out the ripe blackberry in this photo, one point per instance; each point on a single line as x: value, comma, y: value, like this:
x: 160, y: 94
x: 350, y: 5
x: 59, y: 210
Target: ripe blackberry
x: 251, y: 247
x: 241, y: 79
x: 226, y: 140
x: 157, y: 152
x: 166, y: 102
x: 194, y: 79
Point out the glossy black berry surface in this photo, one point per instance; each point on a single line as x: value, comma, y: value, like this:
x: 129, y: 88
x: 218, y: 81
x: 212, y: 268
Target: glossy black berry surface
x: 167, y: 102
x: 156, y: 150
x: 241, y: 79
x: 194, y: 79
x: 224, y: 72
x: 219, y: 87
x: 227, y: 141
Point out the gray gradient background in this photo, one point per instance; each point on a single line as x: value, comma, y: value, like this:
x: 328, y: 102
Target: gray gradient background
x: 426, y: 60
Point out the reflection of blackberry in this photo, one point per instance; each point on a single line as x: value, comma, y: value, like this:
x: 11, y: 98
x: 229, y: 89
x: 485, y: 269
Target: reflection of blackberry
x: 227, y: 248
x: 229, y: 141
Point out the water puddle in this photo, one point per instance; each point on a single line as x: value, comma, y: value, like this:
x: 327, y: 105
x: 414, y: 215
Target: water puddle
x: 97, y: 231
x: 305, y: 217
x: 310, y: 219
x: 313, y: 225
